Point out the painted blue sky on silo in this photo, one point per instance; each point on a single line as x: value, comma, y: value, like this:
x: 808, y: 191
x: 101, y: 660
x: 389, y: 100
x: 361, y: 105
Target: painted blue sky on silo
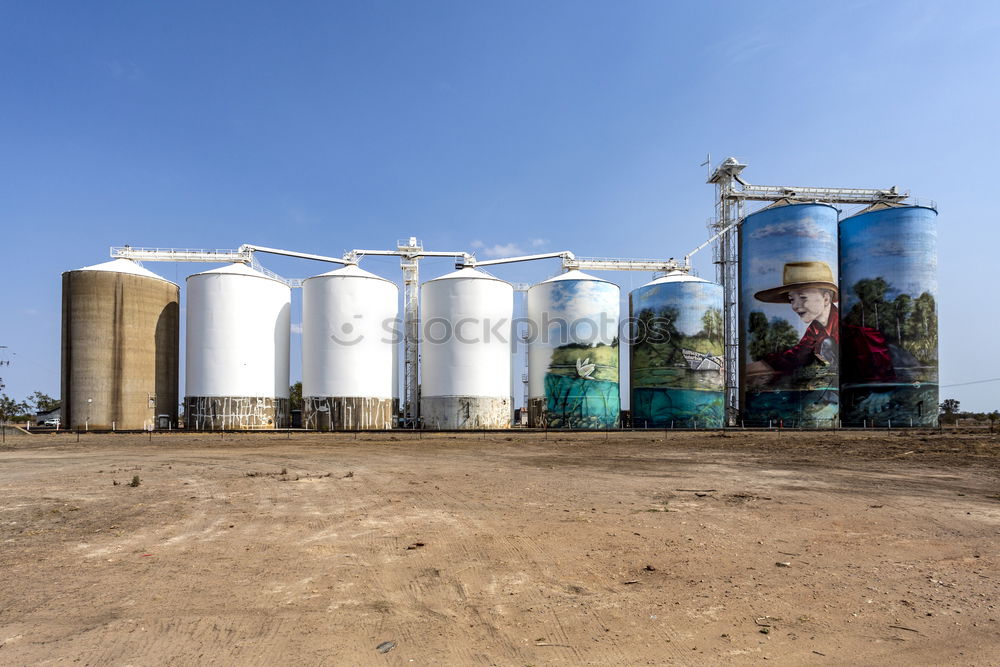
x: 778, y: 236
x: 691, y: 299
x: 875, y: 245
x: 583, y: 310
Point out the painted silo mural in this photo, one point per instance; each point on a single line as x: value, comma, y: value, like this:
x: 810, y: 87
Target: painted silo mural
x: 676, y: 336
x: 789, y: 316
x: 573, y: 352
x: 889, y: 330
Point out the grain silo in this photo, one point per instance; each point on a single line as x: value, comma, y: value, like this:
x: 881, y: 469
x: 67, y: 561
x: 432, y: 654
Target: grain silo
x: 348, y: 350
x: 676, y: 353
x: 889, y: 324
x: 120, y: 326
x: 237, y: 349
x: 789, y: 320
x: 465, y: 350
x: 573, y: 352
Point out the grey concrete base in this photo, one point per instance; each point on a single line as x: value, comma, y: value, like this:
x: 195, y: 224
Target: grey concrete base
x: 221, y: 413
x: 348, y: 413
x: 465, y: 412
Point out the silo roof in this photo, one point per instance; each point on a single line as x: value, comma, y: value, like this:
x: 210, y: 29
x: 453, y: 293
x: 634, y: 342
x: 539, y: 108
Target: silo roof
x: 468, y: 273
x: 125, y: 266
x: 789, y: 203
x: 236, y: 269
x: 888, y: 206
x: 350, y: 271
x: 676, y: 277
x: 575, y: 274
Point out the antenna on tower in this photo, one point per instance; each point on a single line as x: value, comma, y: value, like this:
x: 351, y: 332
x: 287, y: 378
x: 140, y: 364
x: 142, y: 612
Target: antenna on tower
x: 708, y: 165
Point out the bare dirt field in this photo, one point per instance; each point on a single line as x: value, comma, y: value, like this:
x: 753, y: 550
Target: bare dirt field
x: 796, y: 548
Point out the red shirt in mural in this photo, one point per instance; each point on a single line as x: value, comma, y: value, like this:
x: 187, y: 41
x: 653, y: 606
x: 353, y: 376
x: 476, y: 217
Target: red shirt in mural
x: 864, y: 351
x: 809, y: 348
x: 866, y: 355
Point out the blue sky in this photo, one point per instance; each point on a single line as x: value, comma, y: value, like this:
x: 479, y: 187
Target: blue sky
x: 513, y: 125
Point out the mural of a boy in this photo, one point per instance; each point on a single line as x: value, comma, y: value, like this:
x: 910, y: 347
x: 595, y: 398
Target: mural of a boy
x: 809, y: 289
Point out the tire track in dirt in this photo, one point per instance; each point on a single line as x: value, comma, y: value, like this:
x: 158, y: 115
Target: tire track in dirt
x: 317, y: 571
x: 550, y: 591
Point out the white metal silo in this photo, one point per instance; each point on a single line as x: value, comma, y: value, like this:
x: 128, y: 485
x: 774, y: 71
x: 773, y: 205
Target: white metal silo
x: 238, y: 335
x: 465, y: 350
x: 348, y: 350
x: 573, y: 352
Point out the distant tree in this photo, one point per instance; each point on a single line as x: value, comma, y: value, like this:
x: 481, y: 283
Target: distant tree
x: 907, y: 321
x: 758, y: 335
x: 758, y: 321
x: 11, y: 408
x: 903, y: 307
x: 949, y: 406
x: 923, y: 327
x: 644, y: 327
x: 42, y: 402
x: 663, y: 327
x: 768, y: 337
x: 871, y: 293
x: 295, y: 396
x: 711, y: 323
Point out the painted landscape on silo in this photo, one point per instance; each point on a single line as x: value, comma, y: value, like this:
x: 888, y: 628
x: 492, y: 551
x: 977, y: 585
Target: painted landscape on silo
x: 581, y: 386
x: 581, y: 378
x: 890, y: 327
x: 677, y: 356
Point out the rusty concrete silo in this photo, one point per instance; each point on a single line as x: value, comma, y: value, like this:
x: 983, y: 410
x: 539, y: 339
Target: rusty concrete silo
x: 120, y: 328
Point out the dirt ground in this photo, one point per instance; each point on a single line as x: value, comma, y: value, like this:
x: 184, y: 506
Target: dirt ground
x: 796, y: 548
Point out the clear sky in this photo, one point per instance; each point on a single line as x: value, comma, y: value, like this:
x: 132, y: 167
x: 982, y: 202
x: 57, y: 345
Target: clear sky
x: 502, y: 126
